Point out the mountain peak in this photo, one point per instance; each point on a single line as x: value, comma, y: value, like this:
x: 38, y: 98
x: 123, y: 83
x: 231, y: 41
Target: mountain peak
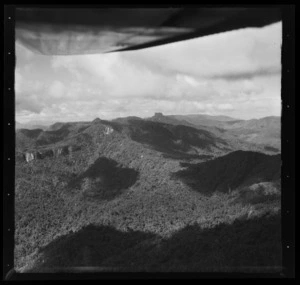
x: 158, y: 114
x: 96, y: 121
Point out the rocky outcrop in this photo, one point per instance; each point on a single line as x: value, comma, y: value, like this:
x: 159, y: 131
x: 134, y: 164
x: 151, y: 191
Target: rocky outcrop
x: 64, y: 150
x: 54, y: 152
x: 108, y: 130
x: 29, y: 156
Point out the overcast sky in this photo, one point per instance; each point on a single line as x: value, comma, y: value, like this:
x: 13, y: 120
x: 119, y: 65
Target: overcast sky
x: 235, y: 73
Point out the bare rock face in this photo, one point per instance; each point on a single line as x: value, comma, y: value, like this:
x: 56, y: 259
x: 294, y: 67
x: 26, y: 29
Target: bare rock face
x: 29, y: 156
x: 108, y: 130
x: 53, y: 152
x: 60, y: 151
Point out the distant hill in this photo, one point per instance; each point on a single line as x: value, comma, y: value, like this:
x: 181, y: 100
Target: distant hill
x: 30, y: 126
x: 265, y: 131
x: 126, y: 120
x: 160, y: 118
x: 174, y: 139
x: 271, y: 122
x: 205, y: 120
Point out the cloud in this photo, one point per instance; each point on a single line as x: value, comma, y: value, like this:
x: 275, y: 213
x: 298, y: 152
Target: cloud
x: 57, y: 89
x: 30, y: 103
x: 237, y: 73
x: 25, y: 88
x: 225, y: 107
x: 18, y: 80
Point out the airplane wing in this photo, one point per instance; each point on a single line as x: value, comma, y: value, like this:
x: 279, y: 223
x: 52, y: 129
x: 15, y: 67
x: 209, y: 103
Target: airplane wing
x: 86, y: 31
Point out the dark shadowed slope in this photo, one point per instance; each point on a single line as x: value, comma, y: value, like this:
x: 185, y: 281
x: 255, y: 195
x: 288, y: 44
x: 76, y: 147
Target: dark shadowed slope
x: 261, y: 135
x: 175, y: 139
x: 245, y: 245
x: 104, y: 179
x: 91, y: 246
x: 251, y: 245
x: 236, y: 169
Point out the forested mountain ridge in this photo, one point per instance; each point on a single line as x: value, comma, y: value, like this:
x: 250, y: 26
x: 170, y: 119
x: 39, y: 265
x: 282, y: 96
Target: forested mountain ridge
x: 169, y: 135
x: 122, y: 174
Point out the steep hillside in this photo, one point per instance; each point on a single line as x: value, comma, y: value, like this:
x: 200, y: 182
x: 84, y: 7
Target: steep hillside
x: 176, y: 139
x: 26, y: 138
x: 234, y: 170
x: 104, y: 179
x: 225, y: 248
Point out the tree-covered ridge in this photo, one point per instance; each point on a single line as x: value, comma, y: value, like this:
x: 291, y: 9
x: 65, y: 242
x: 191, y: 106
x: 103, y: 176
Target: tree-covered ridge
x: 126, y: 184
x: 170, y: 139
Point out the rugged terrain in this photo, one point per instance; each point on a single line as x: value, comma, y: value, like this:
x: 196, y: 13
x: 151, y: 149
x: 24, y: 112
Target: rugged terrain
x: 157, y: 194
x: 265, y: 131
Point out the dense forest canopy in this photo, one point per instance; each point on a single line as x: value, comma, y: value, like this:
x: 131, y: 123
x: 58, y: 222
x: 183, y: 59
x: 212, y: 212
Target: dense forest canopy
x: 145, y: 195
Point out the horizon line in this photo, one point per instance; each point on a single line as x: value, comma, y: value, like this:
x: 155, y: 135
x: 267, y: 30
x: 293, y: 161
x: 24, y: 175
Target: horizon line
x: 105, y: 119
